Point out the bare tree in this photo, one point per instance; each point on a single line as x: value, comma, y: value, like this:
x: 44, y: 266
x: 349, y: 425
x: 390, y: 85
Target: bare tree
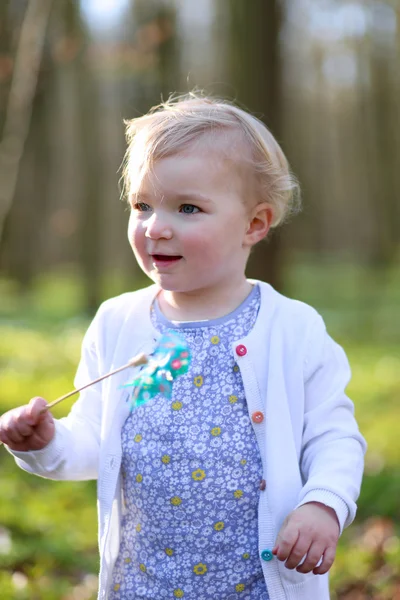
x: 89, y: 140
x: 20, y: 101
x: 255, y: 75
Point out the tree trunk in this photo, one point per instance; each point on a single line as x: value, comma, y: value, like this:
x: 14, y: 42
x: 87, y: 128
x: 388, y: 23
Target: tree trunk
x: 26, y: 152
x: 21, y: 98
x: 24, y: 224
x: 386, y: 120
x: 255, y: 75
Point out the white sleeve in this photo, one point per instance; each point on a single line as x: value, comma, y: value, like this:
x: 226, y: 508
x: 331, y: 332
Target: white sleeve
x: 333, y: 449
x: 73, y: 453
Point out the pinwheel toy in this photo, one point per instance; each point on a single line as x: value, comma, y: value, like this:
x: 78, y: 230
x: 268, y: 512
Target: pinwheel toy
x: 170, y: 359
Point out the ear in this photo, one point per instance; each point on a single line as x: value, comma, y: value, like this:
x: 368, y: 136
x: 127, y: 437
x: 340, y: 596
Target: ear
x: 259, y: 224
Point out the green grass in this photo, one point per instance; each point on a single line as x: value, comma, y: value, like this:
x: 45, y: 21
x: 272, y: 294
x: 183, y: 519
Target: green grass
x: 48, y: 535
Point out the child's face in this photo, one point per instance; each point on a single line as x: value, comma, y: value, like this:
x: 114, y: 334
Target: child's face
x: 188, y: 223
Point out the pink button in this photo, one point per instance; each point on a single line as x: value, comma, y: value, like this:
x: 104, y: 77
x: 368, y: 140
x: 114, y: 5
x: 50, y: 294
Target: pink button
x: 241, y: 350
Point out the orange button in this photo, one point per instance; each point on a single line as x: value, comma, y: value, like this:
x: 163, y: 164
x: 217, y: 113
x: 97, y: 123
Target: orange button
x: 257, y: 417
x: 263, y: 484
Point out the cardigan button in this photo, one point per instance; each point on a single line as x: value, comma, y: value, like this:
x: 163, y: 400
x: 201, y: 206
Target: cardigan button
x: 267, y: 555
x: 241, y: 350
x: 257, y: 417
x: 263, y: 484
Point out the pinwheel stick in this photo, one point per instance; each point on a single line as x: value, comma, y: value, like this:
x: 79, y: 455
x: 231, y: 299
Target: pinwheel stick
x: 140, y: 359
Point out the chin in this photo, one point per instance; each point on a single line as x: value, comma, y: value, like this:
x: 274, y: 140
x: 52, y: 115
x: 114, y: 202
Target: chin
x: 169, y: 286
x: 163, y: 282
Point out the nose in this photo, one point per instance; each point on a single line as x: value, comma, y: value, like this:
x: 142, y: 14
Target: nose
x: 157, y: 227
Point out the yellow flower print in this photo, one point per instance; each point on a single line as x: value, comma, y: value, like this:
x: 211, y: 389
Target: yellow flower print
x: 176, y: 501
x: 233, y: 399
x: 236, y: 368
x: 142, y: 567
x: 127, y: 560
x: 198, y: 475
x: 169, y: 551
x: 216, y: 431
x: 200, y: 569
x: 138, y: 438
x: 165, y: 459
x: 243, y: 461
x: 238, y: 493
x: 215, y: 340
x: 198, y: 381
x: 176, y: 405
x: 239, y: 587
x: 138, y: 527
x: 246, y: 556
x: 219, y: 526
x: 116, y: 587
x: 139, y: 478
x: 178, y: 593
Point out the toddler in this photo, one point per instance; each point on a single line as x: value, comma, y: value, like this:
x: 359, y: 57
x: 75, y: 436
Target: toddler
x: 240, y: 485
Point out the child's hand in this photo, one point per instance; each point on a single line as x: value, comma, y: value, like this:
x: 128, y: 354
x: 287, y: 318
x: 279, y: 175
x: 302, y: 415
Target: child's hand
x: 312, y: 530
x: 26, y: 428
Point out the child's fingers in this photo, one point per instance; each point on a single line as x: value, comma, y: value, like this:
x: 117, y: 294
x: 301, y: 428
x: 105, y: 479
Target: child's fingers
x: 7, y: 426
x: 18, y: 428
x: 24, y: 427
x: 312, y: 559
x: 327, y: 561
x: 285, y: 542
x: 34, y: 410
x: 4, y: 439
x: 22, y: 420
x: 21, y: 424
x: 299, y: 550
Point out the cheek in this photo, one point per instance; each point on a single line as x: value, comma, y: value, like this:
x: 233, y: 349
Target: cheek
x: 197, y: 243
x: 133, y: 231
x: 216, y: 238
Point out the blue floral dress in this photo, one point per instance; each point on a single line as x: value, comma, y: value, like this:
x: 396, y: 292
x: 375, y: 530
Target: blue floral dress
x: 191, y: 472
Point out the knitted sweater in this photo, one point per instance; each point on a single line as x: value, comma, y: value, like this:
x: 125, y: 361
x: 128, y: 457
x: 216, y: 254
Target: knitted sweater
x: 293, y: 373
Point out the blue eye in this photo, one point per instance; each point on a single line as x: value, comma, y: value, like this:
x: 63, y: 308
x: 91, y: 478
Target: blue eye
x: 189, y: 209
x: 141, y: 207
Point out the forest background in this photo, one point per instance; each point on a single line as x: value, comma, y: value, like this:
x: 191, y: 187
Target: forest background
x: 324, y: 75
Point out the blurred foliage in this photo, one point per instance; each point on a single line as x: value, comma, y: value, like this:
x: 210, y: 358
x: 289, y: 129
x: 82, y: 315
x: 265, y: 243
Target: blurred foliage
x: 48, y: 543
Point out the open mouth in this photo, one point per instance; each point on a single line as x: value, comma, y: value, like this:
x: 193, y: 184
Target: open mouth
x: 165, y: 258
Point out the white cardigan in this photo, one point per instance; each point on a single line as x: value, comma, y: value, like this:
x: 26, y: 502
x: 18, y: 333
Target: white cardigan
x: 293, y: 372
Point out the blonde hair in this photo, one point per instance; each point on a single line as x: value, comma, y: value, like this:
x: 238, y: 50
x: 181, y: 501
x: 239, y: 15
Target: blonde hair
x: 173, y: 126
